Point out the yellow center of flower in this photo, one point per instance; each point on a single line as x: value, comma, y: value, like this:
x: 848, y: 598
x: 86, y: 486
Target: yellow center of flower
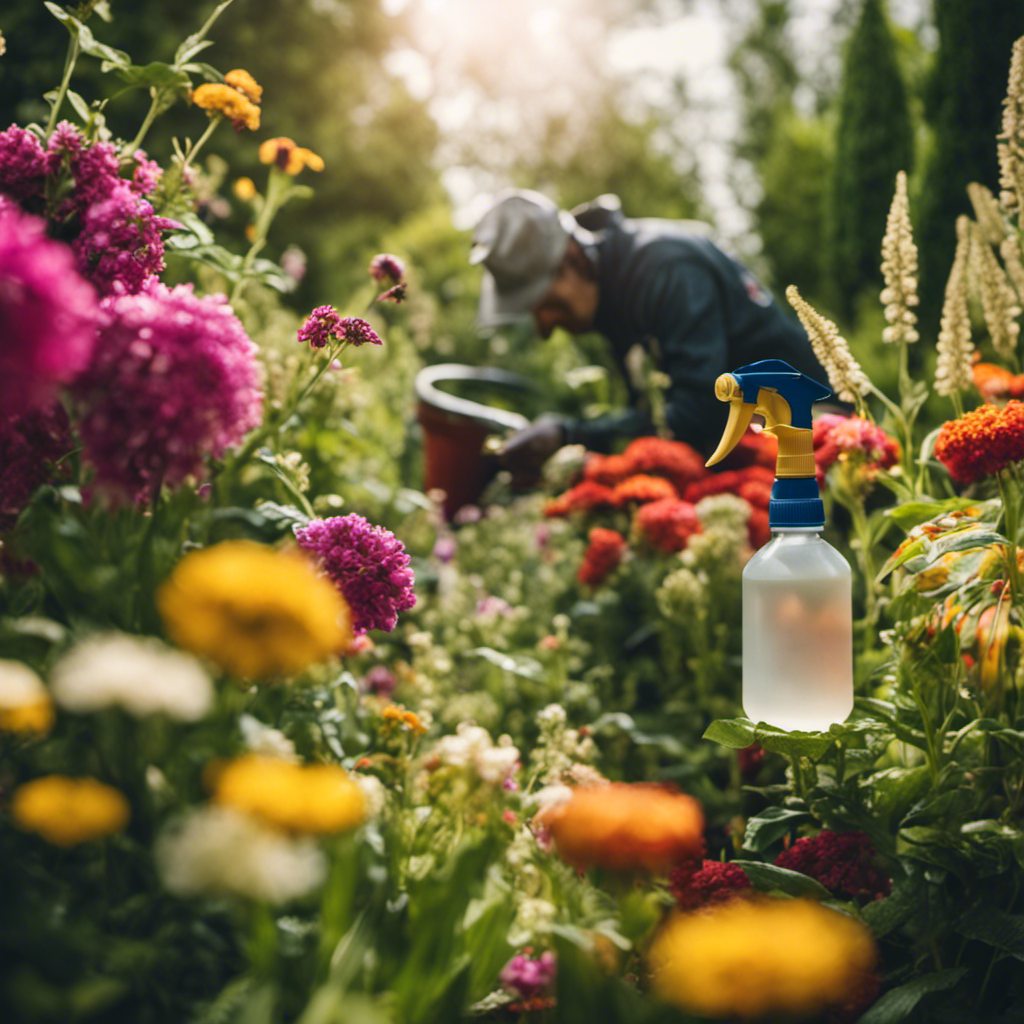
x: 35, y: 717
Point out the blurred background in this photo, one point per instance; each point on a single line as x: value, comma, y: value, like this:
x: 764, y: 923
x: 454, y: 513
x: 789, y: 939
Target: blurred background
x: 781, y: 122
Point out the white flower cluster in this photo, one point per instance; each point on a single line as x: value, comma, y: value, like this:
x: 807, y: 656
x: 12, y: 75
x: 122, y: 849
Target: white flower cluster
x: 953, y: 369
x: 1010, y: 146
x: 899, y: 269
x: 848, y: 380
x: 19, y: 685
x: 218, y: 850
x: 559, y: 750
x: 727, y: 512
x: 471, y: 746
x: 987, y: 213
x: 266, y: 741
x: 140, y: 674
x: 998, y: 301
x: 682, y: 595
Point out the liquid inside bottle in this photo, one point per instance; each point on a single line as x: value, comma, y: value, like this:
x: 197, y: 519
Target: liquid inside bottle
x: 797, y: 633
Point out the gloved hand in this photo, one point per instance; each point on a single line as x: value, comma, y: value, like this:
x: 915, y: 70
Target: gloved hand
x: 526, y: 451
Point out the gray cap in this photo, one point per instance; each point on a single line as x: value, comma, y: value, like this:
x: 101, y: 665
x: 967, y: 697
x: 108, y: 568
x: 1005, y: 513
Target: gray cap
x: 521, y: 241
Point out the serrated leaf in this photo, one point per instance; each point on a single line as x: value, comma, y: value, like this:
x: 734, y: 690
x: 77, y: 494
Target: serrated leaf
x: 896, y: 1004
x: 769, y: 877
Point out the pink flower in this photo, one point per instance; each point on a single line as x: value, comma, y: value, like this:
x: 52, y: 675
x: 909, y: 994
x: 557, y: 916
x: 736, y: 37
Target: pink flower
x: 22, y: 163
x: 326, y: 325
x: 174, y: 381
x: 47, y: 312
x: 851, y: 437
x: 367, y: 564
x: 380, y: 681
x: 385, y: 267
x: 526, y: 977
x: 395, y: 294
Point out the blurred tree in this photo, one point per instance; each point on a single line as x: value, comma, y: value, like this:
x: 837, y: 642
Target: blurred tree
x: 874, y: 140
x: 964, y: 105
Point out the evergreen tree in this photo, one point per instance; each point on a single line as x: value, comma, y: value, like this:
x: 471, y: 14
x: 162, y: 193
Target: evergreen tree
x: 964, y: 106
x: 874, y: 140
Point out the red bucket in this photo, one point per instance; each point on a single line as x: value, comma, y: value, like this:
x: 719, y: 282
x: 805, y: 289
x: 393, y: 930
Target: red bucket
x: 454, y: 430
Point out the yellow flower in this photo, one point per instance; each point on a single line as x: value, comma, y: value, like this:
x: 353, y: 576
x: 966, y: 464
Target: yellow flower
x: 759, y: 958
x: 395, y: 714
x: 222, y: 99
x: 244, y: 188
x: 244, y: 82
x: 254, y: 611
x: 25, y: 705
x: 317, y: 798
x: 69, y: 811
x: 290, y: 158
x: 626, y: 826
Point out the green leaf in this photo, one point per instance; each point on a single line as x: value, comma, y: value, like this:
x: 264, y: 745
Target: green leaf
x: 994, y: 927
x: 734, y: 733
x: 111, y: 58
x: 770, y: 878
x: 64, y: 17
x: 519, y: 665
x: 886, y: 915
x: 196, y: 43
x: 81, y: 107
x: 896, y: 1004
x: 770, y: 826
x: 741, y: 732
x: 156, y: 75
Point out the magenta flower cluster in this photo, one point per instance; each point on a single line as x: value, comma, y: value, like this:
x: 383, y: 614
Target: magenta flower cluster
x: 48, y: 314
x: 174, y: 380
x: 385, y: 267
x: 527, y: 977
x: 29, y: 446
x: 367, y: 564
x: 116, y: 237
x: 326, y: 325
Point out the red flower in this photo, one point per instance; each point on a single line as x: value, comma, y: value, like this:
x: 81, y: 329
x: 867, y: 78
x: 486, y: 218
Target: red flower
x: 843, y: 862
x: 584, y: 497
x: 756, y: 493
x: 642, y: 488
x: 729, y: 481
x: 757, y: 528
x: 836, y: 437
x: 607, y: 469
x: 667, y: 524
x: 705, y: 883
x: 674, y: 460
x: 982, y: 442
x: 602, y: 556
x: 996, y: 382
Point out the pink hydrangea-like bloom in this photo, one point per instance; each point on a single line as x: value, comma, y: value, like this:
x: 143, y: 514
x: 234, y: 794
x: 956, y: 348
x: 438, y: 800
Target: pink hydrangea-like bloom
x: 845, y: 863
x: 852, y: 437
x: 174, y: 381
x: 326, y: 325
x: 29, y: 445
x: 147, y: 174
x: 22, y: 163
x: 48, y: 314
x: 527, y: 977
x: 385, y: 267
x: 368, y: 564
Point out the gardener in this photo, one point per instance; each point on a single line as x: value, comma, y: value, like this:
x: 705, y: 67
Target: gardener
x: 660, y: 283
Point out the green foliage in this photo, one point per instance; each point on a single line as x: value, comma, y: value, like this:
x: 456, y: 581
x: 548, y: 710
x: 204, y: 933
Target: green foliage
x: 874, y: 141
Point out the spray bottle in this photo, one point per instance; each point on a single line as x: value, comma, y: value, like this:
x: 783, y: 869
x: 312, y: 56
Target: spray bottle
x: 797, y: 606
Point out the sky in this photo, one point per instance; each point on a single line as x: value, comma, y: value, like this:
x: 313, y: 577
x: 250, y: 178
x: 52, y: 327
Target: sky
x: 528, y: 53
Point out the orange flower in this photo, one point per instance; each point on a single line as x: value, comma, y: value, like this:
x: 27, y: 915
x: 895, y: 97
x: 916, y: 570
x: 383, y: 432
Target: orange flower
x: 223, y: 99
x: 667, y: 524
x: 674, y: 460
x: 602, y: 556
x: 641, y: 488
x: 283, y: 152
x: 607, y: 469
x: 396, y: 715
x: 244, y: 82
x: 584, y: 497
x: 982, y: 442
x: 626, y: 826
x: 996, y: 382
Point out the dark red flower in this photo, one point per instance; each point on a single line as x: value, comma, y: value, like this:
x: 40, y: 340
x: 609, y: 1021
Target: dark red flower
x: 703, y: 883
x: 845, y: 863
x: 584, y: 497
x: 602, y: 556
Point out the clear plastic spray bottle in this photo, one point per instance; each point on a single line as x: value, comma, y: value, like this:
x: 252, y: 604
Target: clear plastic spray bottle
x: 797, y: 605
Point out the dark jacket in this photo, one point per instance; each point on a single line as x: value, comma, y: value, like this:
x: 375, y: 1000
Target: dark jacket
x: 697, y: 311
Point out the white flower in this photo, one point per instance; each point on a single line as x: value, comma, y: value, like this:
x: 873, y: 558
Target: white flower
x: 953, y: 369
x: 471, y: 746
x: 218, y: 850
x: 551, y: 796
x: 496, y: 764
x: 534, y: 918
x: 374, y: 793
x: 19, y: 685
x: 552, y: 715
x: 262, y: 739
x: 899, y: 269
x: 141, y: 674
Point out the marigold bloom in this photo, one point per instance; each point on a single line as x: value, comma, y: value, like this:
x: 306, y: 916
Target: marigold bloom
x: 667, y: 524
x: 586, y: 496
x: 845, y: 863
x: 626, y: 826
x: 25, y: 705
x: 749, y: 959
x: 244, y: 82
x: 368, y: 565
x: 216, y: 98
x: 676, y: 461
x: 283, y: 153
x: 253, y: 611
x: 607, y: 469
x: 319, y: 799
x: 603, y: 554
x: 982, y: 442
x: 67, y: 811
x: 995, y: 382
x: 703, y: 883
x: 396, y: 715
x: 642, y: 488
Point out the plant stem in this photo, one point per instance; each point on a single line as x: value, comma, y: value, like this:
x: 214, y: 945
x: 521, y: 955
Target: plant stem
x: 154, y: 109
x: 1009, y: 490
x: 69, y: 66
x: 271, y: 203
